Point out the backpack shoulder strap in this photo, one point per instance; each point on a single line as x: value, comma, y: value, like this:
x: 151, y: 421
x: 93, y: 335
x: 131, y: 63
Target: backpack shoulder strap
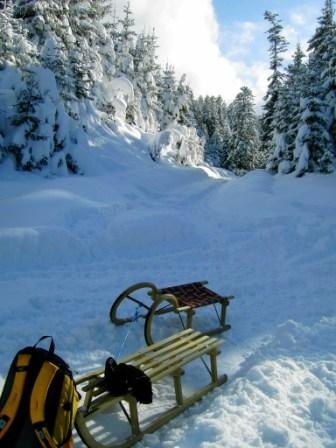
x: 37, y: 403
x: 11, y: 406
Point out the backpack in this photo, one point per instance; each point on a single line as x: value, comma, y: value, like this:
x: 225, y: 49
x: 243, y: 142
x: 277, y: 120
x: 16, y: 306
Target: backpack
x: 125, y: 378
x: 39, y: 400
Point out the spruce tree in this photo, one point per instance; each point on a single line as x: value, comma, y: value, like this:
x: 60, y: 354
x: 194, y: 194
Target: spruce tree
x: 6, y: 37
x: 278, y: 45
x: 15, y: 48
x: 322, y: 48
x: 287, y: 115
x: 125, y: 44
x: 146, y: 90
x: 184, y: 102
x: 296, y: 78
x: 245, y: 144
x: 210, y: 115
x: 168, y: 98
x: 26, y: 146
x: 83, y: 55
x: 312, y: 149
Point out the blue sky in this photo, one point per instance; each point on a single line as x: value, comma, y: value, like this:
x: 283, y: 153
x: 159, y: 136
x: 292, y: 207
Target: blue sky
x: 253, y: 10
x: 242, y: 26
x: 221, y: 45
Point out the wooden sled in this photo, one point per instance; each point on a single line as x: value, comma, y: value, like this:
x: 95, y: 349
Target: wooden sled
x: 145, y: 300
x: 168, y: 358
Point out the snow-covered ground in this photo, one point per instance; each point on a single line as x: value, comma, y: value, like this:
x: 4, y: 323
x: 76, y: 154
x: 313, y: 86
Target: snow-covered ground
x: 70, y: 245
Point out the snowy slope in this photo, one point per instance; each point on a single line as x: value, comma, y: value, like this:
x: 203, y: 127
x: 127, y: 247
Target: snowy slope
x: 70, y: 245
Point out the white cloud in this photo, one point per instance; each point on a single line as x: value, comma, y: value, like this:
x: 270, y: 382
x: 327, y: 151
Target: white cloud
x: 188, y: 35
x: 191, y: 40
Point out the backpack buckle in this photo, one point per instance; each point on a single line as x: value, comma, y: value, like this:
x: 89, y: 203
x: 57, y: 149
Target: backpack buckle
x: 3, y: 422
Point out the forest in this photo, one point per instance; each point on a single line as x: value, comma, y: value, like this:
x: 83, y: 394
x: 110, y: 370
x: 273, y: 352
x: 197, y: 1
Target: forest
x: 62, y: 62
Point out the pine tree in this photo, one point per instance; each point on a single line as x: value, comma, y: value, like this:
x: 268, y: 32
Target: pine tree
x: 245, y: 144
x: 40, y: 18
x: 168, y: 98
x: 296, y: 79
x: 323, y: 35
x: 211, y: 118
x: 312, y: 150
x: 125, y: 44
x: 145, y: 80
x: 184, y: 102
x: 83, y: 55
x: 329, y: 86
x: 210, y: 115
x: 322, y: 48
x: 287, y: 115
x: 105, y: 35
x: 14, y: 45
x: 278, y: 45
x: 26, y: 148
x: 6, y: 37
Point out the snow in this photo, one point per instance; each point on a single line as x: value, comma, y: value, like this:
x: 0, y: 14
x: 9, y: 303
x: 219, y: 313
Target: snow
x: 69, y: 245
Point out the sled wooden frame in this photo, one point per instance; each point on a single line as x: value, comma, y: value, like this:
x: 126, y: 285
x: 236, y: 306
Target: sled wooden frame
x: 166, y: 358
x: 185, y: 298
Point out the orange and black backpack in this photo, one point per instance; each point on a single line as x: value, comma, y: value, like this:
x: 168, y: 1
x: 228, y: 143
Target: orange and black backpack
x: 39, y: 400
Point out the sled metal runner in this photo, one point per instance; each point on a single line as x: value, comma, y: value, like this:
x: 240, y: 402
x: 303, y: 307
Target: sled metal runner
x: 144, y: 300
x: 166, y: 359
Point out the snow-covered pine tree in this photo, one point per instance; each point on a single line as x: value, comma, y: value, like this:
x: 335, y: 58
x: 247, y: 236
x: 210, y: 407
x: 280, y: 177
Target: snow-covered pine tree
x: 26, y: 147
x: 54, y: 56
x: 39, y: 18
x: 211, y: 120
x: 329, y: 86
x: 322, y: 46
x: 312, y: 146
x: 296, y: 77
x: 287, y: 115
x: 224, y: 131
x: 324, y: 33
x: 185, y: 99
x: 146, y: 70
x: 106, y: 37
x: 245, y: 143
x: 278, y: 45
x: 168, y: 98
x: 47, y: 26
x: 14, y: 45
x: 6, y: 36
x: 83, y: 55
x: 124, y: 46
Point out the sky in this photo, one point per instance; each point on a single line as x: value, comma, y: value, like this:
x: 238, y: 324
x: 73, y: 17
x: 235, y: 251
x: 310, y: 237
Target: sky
x: 221, y: 44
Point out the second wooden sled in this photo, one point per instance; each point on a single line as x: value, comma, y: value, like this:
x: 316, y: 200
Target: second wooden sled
x: 166, y: 359
x: 154, y: 305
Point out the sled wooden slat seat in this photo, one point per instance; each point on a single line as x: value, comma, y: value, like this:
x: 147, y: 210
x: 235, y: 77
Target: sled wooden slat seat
x: 167, y: 358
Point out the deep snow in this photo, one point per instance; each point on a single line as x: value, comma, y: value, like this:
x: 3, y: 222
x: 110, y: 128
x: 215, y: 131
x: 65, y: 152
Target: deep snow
x: 70, y: 245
